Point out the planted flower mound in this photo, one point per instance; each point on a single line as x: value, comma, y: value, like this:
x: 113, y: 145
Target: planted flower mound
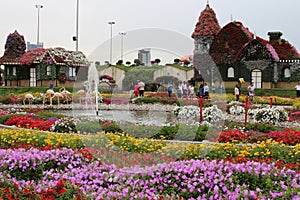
x: 202, y: 179
x: 29, y: 122
x: 289, y: 137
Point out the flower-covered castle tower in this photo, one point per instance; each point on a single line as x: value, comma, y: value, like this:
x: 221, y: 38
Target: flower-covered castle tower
x: 205, y: 30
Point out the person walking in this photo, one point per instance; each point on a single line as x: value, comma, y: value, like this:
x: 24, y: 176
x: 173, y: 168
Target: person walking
x: 141, y: 88
x: 206, y: 91
x: 191, y: 91
x: 251, y: 91
x: 170, y: 88
x: 180, y: 90
x: 220, y: 88
x: 237, y: 92
x: 297, y: 87
x: 201, y: 91
x: 136, y: 90
x: 213, y: 87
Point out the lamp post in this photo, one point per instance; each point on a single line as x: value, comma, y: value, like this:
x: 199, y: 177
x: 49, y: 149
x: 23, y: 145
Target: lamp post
x: 122, y: 40
x: 77, y: 19
x: 38, y: 25
x: 111, y: 23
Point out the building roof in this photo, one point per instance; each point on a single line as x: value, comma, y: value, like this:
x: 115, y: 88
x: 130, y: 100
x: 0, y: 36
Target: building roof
x: 284, y: 49
x: 229, y: 42
x: 207, y: 25
x: 57, y: 56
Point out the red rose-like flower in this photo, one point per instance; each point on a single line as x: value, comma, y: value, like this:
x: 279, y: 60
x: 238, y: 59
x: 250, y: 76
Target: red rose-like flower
x: 61, y: 191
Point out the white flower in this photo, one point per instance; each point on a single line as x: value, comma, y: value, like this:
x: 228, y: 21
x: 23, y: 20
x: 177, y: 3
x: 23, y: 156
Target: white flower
x: 270, y: 115
x: 236, y: 110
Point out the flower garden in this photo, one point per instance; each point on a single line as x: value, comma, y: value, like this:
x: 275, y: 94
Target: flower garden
x: 47, y: 155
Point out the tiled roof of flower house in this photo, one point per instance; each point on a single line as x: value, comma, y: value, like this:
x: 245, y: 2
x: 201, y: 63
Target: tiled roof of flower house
x: 14, y: 48
x: 207, y: 24
x: 284, y: 49
x: 229, y: 41
x: 58, y: 56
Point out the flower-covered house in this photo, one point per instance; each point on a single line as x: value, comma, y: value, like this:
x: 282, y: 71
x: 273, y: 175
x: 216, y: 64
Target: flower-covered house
x: 40, y: 67
x: 234, y: 52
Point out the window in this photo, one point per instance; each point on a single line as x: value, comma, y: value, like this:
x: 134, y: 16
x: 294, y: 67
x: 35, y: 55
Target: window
x: 7, y: 71
x: 32, y: 77
x: 72, y: 71
x: 48, y: 71
x: 256, y: 78
x: 287, y: 73
x: 230, y: 72
x: 14, y: 71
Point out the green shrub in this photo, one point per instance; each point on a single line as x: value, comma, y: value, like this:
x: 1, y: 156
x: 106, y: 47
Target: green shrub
x: 110, y: 127
x: 166, y: 132
x: 261, y: 127
x: 88, y: 127
x: 146, y: 100
x: 5, y: 100
x: 141, y: 131
x: 191, y: 133
x: 4, y: 118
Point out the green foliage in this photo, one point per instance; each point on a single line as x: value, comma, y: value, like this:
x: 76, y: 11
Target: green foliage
x: 7, y: 91
x: 261, y: 127
x: 141, y: 131
x: 166, y: 132
x: 45, y: 115
x: 147, y: 100
x: 4, y: 118
x: 5, y: 100
x: 139, y: 73
x: 88, y: 127
x: 191, y: 133
x: 110, y: 127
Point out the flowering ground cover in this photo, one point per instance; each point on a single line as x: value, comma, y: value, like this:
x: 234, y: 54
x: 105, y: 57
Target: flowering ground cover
x: 48, y: 165
x: 41, y: 170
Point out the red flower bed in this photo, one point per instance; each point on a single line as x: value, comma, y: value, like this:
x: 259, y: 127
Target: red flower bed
x: 230, y: 135
x: 62, y: 190
x: 29, y: 122
x: 289, y: 137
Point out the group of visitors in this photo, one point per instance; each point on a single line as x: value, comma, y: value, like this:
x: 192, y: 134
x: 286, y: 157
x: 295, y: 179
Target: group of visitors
x: 137, y: 89
x: 250, y: 91
x: 185, y: 90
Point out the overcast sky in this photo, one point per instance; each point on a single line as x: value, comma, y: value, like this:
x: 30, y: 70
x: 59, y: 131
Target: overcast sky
x: 58, y: 20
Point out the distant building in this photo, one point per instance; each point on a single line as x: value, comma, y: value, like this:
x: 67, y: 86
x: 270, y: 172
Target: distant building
x: 34, y: 46
x: 144, y: 56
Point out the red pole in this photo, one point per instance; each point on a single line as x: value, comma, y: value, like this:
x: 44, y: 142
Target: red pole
x: 271, y: 102
x: 246, y: 110
x: 200, y: 105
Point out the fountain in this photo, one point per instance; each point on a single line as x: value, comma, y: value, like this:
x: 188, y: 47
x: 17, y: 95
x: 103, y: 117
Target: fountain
x: 90, y: 94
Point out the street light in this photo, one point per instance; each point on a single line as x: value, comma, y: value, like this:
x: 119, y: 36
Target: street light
x: 38, y: 25
x: 122, y: 39
x: 77, y: 18
x: 111, y: 23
